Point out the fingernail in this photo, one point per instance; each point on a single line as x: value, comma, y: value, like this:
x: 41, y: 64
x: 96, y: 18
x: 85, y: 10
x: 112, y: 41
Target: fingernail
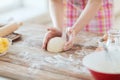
x: 48, y: 29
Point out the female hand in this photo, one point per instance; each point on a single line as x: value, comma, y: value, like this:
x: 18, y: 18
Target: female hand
x: 52, y: 32
x: 70, y: 39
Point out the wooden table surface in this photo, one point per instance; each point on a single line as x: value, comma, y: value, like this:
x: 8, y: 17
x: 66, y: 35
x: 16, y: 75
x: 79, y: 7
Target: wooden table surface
x: 26, y: 60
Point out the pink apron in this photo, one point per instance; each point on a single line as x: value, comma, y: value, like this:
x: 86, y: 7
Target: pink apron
x: 102, y: 21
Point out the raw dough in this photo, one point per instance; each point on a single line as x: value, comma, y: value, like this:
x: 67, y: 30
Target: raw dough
x: 56, y: 44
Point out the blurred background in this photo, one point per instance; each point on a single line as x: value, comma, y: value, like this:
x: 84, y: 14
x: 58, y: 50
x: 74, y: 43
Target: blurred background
x: 117, y: 13
x: 35, y: 11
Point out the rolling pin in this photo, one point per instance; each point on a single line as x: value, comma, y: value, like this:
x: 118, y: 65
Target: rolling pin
x: 9, y: 28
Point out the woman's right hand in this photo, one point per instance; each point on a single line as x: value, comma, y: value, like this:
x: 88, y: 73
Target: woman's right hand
x: 52, y: 32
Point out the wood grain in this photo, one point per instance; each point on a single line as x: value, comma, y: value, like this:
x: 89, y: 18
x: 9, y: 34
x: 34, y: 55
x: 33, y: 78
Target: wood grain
x: 22, y: 73
x: 15, y: 66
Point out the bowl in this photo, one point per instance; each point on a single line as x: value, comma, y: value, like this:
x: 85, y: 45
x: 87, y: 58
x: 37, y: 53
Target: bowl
x: 101, y: 67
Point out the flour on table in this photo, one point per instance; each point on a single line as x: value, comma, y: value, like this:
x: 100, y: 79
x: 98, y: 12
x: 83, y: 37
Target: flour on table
x: 62, y: 62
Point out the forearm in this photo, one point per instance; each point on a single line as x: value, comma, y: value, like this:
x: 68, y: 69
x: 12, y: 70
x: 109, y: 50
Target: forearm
x: 57, y: 13
x: 89, y: 12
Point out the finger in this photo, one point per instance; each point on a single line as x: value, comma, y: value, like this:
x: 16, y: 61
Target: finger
x: 44, y: 46
x: 105, y: 37
x: 72, y: 37
x: 49, y: 28
x: 45, y: 41
x: 52, y: 29
x: 69, y: 44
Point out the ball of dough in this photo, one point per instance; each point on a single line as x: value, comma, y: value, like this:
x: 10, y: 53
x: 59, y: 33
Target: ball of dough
x: 56, y: 44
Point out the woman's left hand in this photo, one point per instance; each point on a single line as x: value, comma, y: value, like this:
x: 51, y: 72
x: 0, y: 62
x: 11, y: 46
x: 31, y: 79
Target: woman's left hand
x: 70, y: 39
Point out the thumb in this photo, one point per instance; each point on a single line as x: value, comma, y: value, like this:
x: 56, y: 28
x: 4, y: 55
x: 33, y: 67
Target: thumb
x: 51, y: 29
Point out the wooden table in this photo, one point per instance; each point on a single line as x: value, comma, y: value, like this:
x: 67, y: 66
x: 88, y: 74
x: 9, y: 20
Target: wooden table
x: 27, y: 61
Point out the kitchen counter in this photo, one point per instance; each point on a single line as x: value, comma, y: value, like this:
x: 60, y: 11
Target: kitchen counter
x: 26, y: 60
